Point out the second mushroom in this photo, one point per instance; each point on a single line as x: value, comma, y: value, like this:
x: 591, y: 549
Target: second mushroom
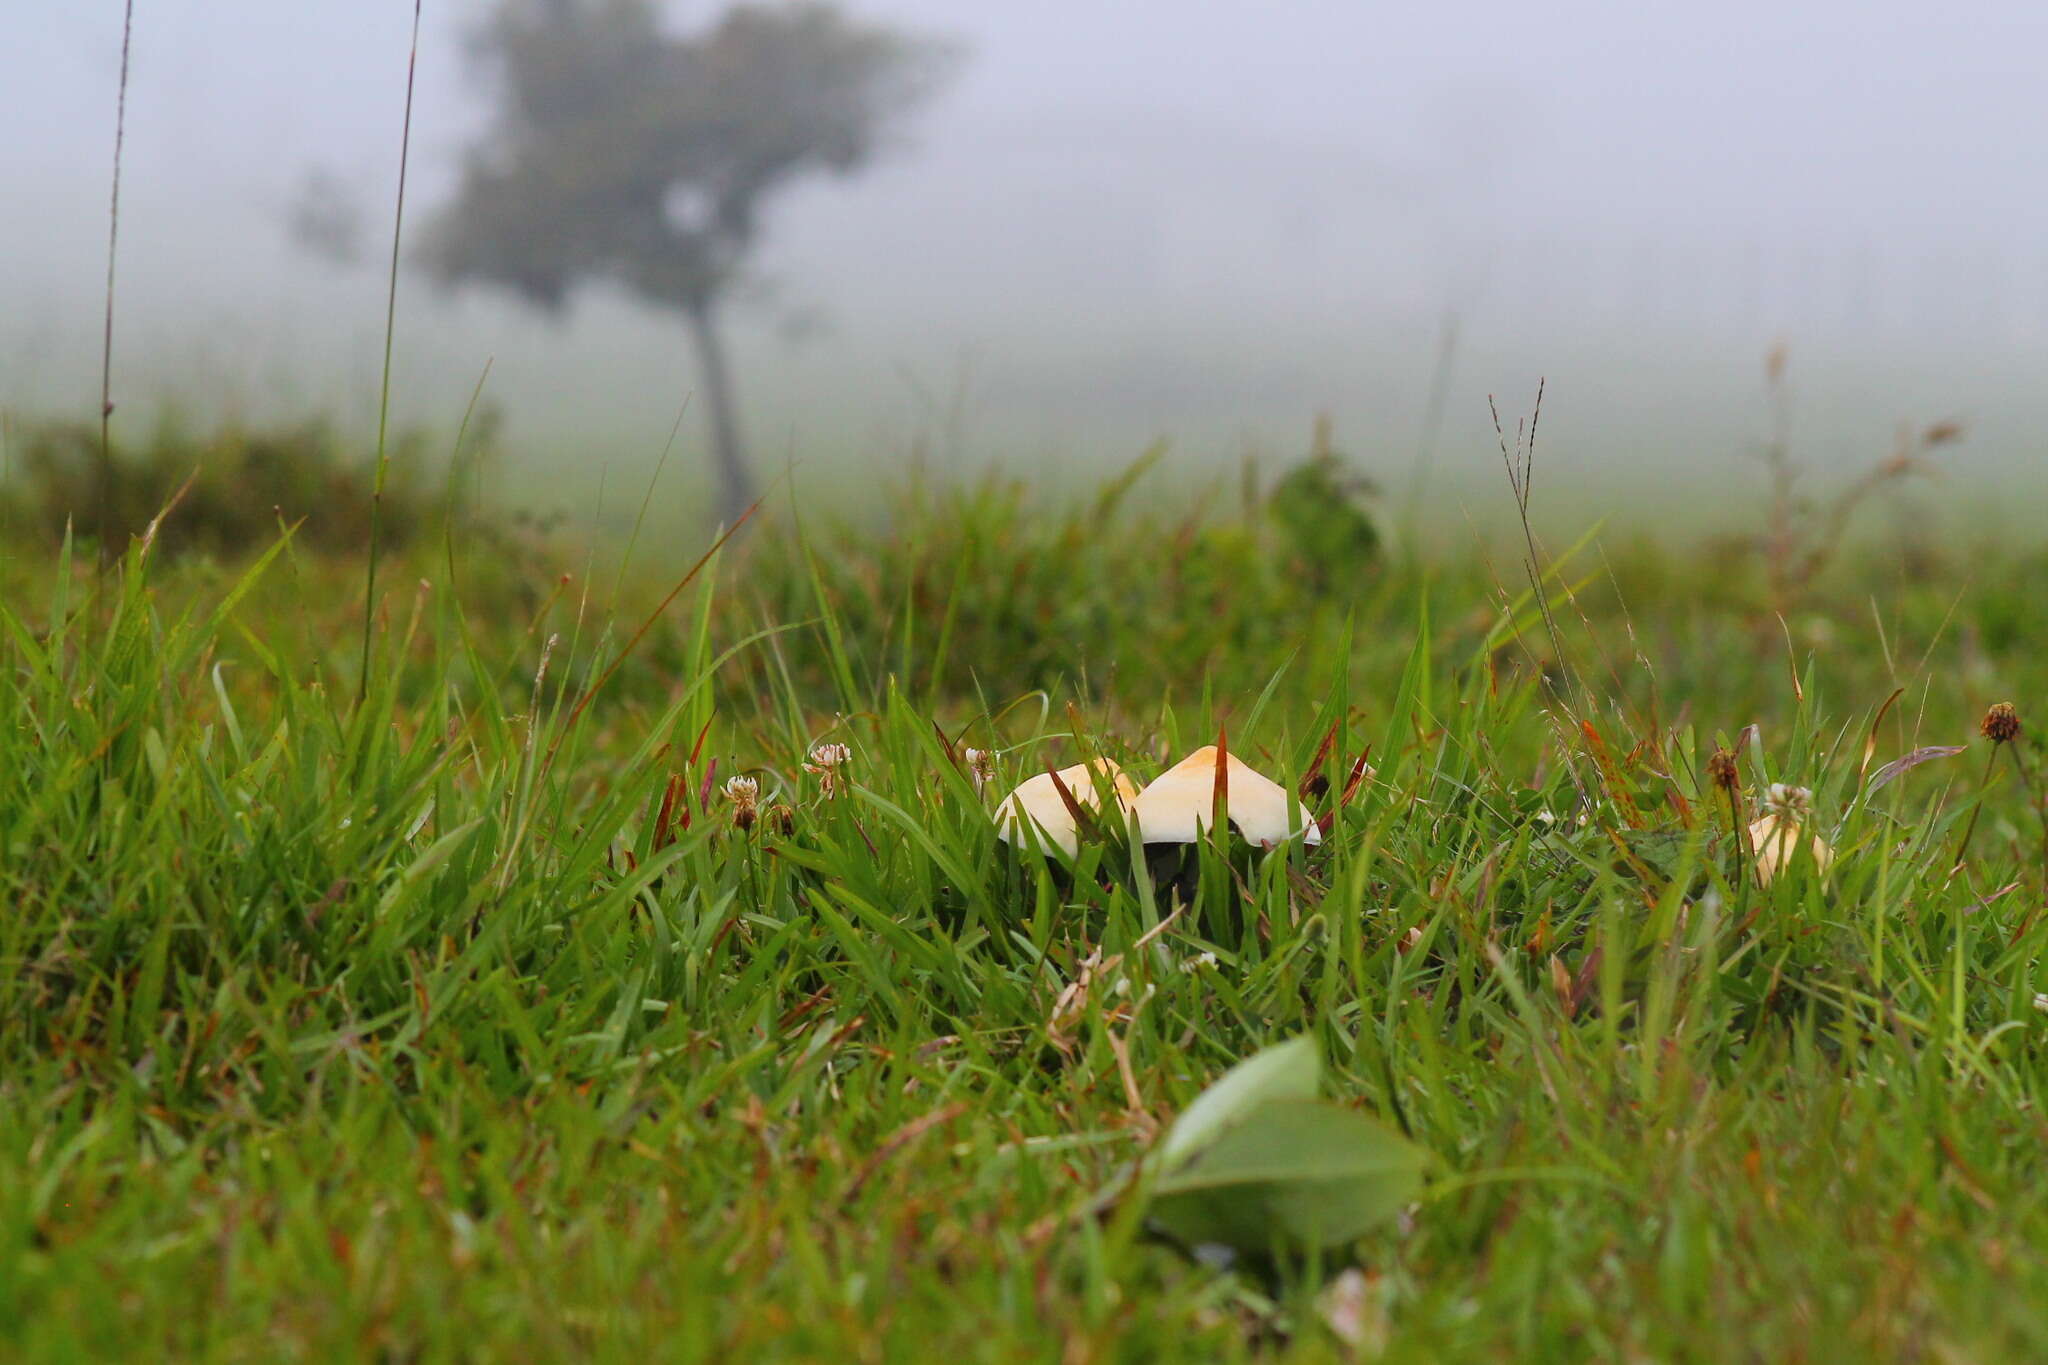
x: 1179, y: 805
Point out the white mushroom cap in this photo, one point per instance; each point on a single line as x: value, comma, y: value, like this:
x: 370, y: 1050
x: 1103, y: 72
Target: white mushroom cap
x: 1037, y: 801
x: 1180, y: 803
x: 1776, y: 837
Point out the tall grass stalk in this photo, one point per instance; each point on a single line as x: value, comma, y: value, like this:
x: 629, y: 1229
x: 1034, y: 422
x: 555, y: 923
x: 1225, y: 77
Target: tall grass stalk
x: 390, y: 337
x: 113, y: 255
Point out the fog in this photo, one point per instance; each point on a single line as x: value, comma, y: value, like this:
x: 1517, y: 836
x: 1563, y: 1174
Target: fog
x: 1119, y: 222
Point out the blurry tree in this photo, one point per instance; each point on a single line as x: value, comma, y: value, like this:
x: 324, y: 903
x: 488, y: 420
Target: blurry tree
x: 325, y: 218
x: 624, y: 152
x: 1317, y: 505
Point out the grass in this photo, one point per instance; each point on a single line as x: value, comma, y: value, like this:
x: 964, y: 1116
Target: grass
x: 465, y: 1024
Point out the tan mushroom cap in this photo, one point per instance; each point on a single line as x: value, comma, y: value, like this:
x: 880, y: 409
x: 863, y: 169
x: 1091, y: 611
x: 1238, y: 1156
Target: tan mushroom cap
x: 1776, y: 838
x: 1037, y: 801
x: 1180, y: 803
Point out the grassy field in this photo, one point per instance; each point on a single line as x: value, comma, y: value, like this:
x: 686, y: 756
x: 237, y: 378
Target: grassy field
x: 461, y: 1018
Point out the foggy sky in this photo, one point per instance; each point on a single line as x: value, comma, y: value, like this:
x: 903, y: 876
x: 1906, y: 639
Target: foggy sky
x: 1150, y: 217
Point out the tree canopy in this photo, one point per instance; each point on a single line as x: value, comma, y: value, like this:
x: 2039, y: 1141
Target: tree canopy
x: 624, y: 152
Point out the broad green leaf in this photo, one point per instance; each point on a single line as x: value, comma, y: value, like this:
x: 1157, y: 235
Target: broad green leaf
x: 1291, y: 1070
x: 1297, y: 1174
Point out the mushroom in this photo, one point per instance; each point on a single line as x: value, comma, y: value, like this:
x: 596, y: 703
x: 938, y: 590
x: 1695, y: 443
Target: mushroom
x: 1777, y: 833
x: 1035, y: 811
x: 1179, y: 804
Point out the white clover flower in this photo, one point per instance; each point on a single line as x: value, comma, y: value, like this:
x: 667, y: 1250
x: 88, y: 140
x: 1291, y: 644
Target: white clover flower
x: 825, y: 762
x: 1781, y: 830
x: 1785, y: 799
x: 745, y: 795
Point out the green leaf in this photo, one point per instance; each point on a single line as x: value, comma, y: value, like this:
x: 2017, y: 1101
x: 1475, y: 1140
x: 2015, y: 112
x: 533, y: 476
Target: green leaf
x: 1295, y: 1174
x: 1292, y: 1070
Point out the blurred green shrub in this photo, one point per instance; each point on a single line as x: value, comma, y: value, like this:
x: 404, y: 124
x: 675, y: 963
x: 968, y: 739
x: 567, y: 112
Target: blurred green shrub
x: 245, y: 483
x: 1316, y: 506
x: 992, y: 582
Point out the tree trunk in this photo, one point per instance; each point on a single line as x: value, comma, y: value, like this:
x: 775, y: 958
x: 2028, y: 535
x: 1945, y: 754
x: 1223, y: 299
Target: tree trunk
x: 735, y: 480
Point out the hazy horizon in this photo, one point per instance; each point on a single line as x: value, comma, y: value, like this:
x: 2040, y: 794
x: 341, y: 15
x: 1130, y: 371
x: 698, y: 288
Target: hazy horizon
x: 1205, y: 224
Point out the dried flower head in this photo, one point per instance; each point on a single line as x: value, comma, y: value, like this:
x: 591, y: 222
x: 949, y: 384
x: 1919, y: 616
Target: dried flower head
x: 825, y: 762
x: 782, y: 819
x: 981, y: 766
x: 1721, y: 770
x: 745, y: 795
x: 2001, y: 724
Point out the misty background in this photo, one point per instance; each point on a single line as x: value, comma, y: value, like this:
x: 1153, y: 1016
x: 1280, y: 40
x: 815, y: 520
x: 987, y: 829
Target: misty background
x: 1117, y: 223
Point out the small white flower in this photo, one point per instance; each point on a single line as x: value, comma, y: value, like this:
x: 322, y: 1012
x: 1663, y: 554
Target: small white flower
x: 1785, y: 799
x: 825, y: 762
x: 981, y: 766
x: 1198, y: 962
x: 745, y: 795
x: 1782, y: 828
